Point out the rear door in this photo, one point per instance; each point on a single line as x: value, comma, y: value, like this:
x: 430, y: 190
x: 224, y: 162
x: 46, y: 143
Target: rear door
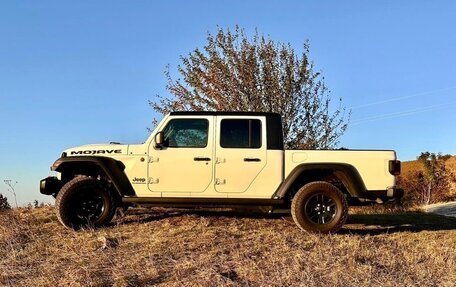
x: 240, y: 152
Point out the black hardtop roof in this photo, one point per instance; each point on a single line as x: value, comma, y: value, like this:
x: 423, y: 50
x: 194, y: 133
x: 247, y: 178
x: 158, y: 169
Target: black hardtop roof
x: 223, y: 113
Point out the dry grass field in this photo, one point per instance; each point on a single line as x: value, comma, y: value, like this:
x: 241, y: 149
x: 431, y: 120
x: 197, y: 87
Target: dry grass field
x: 220, y: 248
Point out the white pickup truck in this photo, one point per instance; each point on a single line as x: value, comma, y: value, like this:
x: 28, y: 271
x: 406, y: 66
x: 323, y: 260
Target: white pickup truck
x: 220, y: 159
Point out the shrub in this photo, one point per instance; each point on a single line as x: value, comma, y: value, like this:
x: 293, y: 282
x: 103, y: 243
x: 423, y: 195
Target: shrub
x: 430, y: 184
x: 4, y: 205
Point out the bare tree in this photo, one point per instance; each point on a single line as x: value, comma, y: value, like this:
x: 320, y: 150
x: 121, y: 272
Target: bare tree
x: 235, y: 73
x: 11, y: 185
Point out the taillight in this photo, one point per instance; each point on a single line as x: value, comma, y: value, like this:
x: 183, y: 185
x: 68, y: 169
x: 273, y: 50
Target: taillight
x: 395, y: 167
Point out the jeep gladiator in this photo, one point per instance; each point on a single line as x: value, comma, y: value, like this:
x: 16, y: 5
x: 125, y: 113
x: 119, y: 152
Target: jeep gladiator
x: 195, y: 159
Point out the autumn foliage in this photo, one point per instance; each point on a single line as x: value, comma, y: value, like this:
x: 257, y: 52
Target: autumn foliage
x: 235, y: 73
x: 428, y: 181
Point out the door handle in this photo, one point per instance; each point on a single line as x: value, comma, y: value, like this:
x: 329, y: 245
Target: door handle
x: 252, y: 159
x: 199, y: 158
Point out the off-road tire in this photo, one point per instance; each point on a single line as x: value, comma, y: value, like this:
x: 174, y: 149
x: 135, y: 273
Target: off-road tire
x: 76, y: 194
x: 309, y: 212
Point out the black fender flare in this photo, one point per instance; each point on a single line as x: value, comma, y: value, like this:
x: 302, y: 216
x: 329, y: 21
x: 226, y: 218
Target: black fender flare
x: 347, y: 173
x: 112, y: 168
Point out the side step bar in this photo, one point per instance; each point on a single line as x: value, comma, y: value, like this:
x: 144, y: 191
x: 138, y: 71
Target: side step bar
x: 169, y: 201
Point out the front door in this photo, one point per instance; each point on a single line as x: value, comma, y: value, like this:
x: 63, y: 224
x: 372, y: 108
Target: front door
x: 184, y: 164
x: 240, y: 152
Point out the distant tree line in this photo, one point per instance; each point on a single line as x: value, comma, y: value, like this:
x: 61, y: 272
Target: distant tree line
x: 4, y: 204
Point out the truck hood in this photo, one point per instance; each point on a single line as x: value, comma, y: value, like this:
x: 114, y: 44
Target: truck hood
x: 97, y: 150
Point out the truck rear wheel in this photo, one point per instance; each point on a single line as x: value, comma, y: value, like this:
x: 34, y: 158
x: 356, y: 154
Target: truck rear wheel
x: 319, y: 207
x: 84, y: 202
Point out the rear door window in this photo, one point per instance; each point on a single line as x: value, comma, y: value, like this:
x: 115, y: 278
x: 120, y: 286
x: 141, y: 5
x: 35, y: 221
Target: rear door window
x: 240, y: 133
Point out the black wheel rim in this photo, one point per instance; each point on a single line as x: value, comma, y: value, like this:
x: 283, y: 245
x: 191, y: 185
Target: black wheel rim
x: 88, y: 206
x: 320, y: 209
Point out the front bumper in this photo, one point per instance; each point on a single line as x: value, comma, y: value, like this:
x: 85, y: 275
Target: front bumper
x: 50, y: 185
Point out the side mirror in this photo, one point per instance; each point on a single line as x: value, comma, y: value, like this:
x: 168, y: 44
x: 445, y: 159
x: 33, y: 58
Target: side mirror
x: 159, y: 140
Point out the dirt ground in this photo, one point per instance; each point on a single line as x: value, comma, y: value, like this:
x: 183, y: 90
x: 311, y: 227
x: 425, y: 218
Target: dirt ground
x: 446, y: 209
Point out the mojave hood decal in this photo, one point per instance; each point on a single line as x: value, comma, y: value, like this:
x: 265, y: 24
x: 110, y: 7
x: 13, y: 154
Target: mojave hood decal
x: 100, y: 151
x: 105, y: 150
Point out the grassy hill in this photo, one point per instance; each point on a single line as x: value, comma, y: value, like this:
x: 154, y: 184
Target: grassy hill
x: 378, y: 247
x: 208, y: 248
x: 409, y: 166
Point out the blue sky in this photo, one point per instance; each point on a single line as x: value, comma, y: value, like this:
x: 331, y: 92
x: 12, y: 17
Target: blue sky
x: 82, y: 72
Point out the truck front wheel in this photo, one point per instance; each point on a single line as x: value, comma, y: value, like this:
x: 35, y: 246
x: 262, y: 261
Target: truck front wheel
x: 84, y: 202
x: 319, y: 207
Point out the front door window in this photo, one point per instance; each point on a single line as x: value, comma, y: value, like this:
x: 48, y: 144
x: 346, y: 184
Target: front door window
x: 186, y: 133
